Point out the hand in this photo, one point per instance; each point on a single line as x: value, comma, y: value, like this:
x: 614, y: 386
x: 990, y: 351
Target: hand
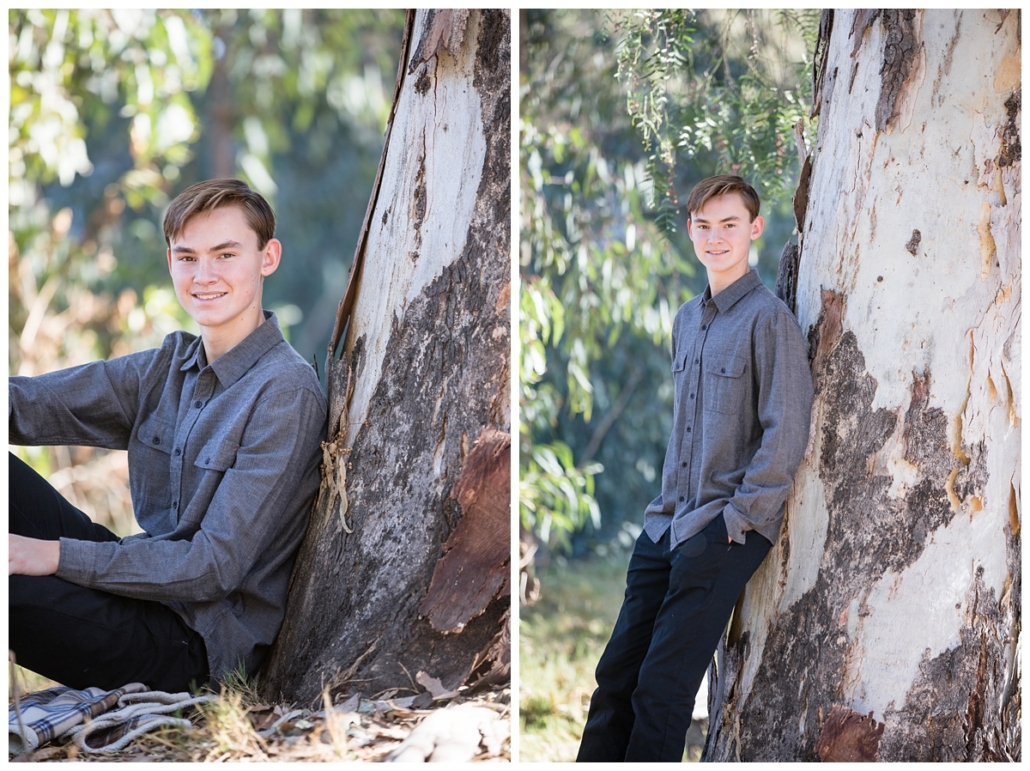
x: 31, y: 556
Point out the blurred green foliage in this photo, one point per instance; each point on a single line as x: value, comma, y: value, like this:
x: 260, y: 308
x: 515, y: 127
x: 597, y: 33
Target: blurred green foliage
x: 620, y: 112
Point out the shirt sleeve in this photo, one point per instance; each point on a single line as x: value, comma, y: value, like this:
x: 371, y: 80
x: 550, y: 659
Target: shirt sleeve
x: 784, y: 411
x: 255, y: 506
x: 92, y: 405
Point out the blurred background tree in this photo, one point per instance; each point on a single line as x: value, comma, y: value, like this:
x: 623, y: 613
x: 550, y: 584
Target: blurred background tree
x: 113, y: 113
x: 622, y: 112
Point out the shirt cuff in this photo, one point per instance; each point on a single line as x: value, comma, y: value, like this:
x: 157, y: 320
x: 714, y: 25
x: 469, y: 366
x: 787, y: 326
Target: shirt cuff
x: 735, y: 523
x: 77, y: 561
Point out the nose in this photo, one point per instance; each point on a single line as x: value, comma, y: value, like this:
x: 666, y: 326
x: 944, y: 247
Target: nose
x: 206, y: 272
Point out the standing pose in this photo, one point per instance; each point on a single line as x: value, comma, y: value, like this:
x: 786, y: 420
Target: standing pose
x: 743, y: 397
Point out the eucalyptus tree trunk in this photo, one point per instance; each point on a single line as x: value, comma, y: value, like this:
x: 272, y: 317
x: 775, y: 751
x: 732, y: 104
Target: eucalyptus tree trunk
x: 885, y: 623
x: 404, y: 574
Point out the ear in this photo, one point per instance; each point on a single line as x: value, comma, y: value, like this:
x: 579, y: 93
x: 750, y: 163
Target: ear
x: 757, y: 226
x: 270, y: 256
x: 168, y: 251
x: 690, y: 227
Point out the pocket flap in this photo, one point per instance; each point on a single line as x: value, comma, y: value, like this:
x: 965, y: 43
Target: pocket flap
x: 680, y: 362
x: 218, y: 455
x: 156, y: 433
x: 727, y: 366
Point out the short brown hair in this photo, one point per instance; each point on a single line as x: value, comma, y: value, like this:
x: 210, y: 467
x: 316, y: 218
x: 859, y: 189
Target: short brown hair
x: 719, y: 185
x: 214, y: 194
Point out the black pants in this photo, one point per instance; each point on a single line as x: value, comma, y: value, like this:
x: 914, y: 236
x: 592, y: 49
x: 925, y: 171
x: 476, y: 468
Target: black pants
x: 84, y: 637
x: 677, y: 605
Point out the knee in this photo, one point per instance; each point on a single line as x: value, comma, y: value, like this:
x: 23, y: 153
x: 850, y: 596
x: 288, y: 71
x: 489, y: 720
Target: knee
x: 22, y: 480
x: 18, y: 471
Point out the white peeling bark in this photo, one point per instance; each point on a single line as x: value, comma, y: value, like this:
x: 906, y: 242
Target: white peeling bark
x: 894, y: 588
x: 426, y: 202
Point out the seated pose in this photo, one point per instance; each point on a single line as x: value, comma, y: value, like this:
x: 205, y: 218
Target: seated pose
x: 743, y: 394
x: 222, y: 433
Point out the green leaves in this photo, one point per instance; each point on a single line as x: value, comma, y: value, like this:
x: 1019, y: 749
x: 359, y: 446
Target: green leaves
x: 70, y: 68
x: 711, y: 89
x: 592, y: 263
x: 555, y: 497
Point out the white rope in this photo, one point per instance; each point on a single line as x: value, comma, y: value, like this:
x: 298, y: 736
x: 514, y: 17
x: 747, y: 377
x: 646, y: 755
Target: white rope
x: 151, y: 707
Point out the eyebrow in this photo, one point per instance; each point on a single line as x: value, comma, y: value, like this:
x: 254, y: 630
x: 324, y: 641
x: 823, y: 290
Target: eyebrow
x: 226, y: 245
x: 732, y: 218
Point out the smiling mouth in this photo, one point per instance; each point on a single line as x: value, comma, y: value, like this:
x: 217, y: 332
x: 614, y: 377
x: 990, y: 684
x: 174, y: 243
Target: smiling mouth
x: 208, y: 295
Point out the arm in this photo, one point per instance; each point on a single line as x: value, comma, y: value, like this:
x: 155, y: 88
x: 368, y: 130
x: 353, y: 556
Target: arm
x: 93, y: 404
x: 784, y: 412
x: 253, y: 509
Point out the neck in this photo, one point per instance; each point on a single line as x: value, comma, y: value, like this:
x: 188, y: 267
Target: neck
x: 218, y: 342
x: 719, y: 281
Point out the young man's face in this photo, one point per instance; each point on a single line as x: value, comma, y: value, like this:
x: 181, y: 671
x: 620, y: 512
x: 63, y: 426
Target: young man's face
x: 217, y: 269
x: 722, y: 232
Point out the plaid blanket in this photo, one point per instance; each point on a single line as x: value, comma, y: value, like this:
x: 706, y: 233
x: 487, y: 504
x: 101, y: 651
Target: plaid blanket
x: 45, y: 715
x: 98, y: 720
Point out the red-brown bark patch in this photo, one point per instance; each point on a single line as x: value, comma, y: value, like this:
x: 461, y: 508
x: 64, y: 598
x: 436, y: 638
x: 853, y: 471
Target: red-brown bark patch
x: 474, y: 566
x: 849, y: 737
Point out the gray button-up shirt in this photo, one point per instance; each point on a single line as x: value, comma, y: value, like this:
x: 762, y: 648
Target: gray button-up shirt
x: 223, y: 466
x: 741, y: 413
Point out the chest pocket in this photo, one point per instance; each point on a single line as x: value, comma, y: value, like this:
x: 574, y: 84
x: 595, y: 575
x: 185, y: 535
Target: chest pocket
x: 217, y: 455
x: 149, y: 472
x: 157, y: 434
x: 725, y: 384
x: 680, y: 362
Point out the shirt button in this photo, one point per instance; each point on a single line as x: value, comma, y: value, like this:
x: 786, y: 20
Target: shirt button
x: 175, y: 504
x: 692, y: 396
x: 198, y: 404
x: 696, y: 361
x: 723, y: 370
x: 684, y: 464
x: 704, y: 327
x: 207, y: 461
x: 688, y: 429
x: 178, y: 452
x: 681, y: 499
x: 157, y: 440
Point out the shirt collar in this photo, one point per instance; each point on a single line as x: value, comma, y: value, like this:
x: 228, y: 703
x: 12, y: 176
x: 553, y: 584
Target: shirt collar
x: 729, y: 296
x: 235, y: 363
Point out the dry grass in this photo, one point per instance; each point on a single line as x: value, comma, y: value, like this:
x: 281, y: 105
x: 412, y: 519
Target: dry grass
x: 562, y: 637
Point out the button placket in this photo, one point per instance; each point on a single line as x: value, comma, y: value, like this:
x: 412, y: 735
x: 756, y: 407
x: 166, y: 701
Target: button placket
x: 687, y: 437
x: 201, y: 392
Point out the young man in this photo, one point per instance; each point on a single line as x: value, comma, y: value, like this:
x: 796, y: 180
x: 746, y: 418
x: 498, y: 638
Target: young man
x: 740, y: 426
x: 222, y: 433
